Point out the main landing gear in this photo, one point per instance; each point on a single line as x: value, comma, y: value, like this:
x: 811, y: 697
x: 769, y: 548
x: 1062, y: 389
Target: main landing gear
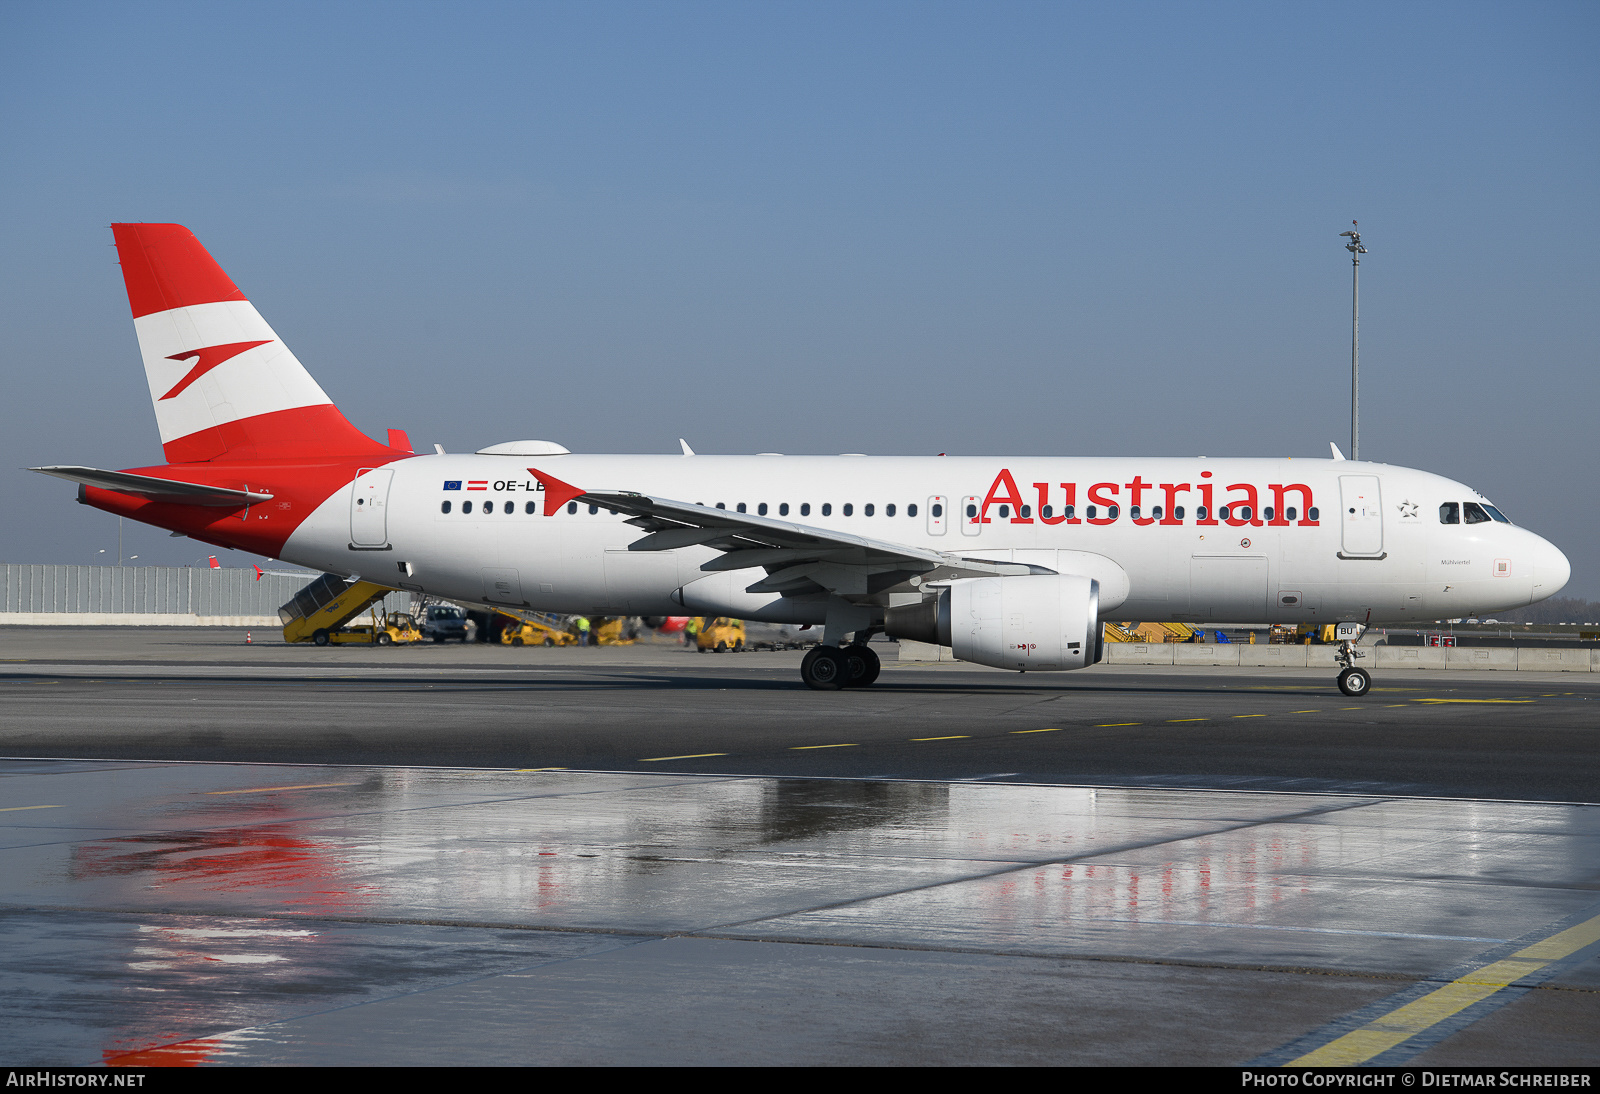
x: 1353, y: 682
x: 830, y: 668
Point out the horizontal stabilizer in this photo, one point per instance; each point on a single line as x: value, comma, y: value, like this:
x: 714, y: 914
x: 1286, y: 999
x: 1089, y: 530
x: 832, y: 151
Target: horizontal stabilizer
x: 163, y: 490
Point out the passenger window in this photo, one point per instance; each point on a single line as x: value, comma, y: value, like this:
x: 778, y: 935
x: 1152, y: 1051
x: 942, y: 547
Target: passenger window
x: 805, y: 509
x: 1091, y: 512
x: 531, y: 508
x: 1474, y: 514
x: 444, y: 507
x: 938, y: 510
x: 761, y: 510
x: 849, y: 510
x: 866, y: 510
x: 572, y: 507
x: 1222, y: 512
x: 783, y: 509
x: 508, y: 506
x: 740, y: 507
x: 1112, y: 511
x: 1046, y: 512
x: 488, y: 507
x: 1026, y: 512
x: 1311, y: 514
x: 1289, y: 513
x: 1177, y: 512
x: 1133, y: 511
x: 721, y: 505
x: 593, y: 509
x: 1244, y: 512
x: 827, y: 508
x: 888, y: 510
x: 1199, y: 512
x: 466, y: 507
x: 972, y: 512
x: 1005, y: 511
x: 1068, y: 511
x: 1155, y: 512
x: 1266, y: 514
x: 911, y: 510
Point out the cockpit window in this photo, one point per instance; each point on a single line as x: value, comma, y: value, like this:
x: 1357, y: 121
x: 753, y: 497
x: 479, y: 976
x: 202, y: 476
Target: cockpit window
x: 1496, y: 514
x: 1449, y: 513
x: 1474, y: 513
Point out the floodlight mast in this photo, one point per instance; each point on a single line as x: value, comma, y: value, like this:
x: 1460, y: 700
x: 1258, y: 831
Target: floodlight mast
x: 1356, y: 251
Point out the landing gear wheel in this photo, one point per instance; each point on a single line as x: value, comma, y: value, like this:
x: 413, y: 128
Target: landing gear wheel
x: 864, y: 665
x: 1355, y: 682
x: 320, y: 638
x: 825, y: 668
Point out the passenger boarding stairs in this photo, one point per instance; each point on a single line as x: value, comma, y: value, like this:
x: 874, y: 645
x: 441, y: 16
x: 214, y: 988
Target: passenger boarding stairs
x: 327, y: 604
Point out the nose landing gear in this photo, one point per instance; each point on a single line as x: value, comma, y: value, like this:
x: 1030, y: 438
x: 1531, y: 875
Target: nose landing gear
x: 1353, y: 682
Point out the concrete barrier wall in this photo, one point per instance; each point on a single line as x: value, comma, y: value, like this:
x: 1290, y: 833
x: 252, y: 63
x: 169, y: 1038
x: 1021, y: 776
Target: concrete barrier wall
x: 1260, y: 656
x: 1185, y: 653
x: 1490, y: 658
x: 1139, y: 653
x: 1410, y: 657
x: 1556, y: 660
x: 1378, y: 657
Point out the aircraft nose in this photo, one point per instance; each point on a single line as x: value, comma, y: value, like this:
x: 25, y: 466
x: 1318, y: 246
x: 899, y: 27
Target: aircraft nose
x: 1551, y: 570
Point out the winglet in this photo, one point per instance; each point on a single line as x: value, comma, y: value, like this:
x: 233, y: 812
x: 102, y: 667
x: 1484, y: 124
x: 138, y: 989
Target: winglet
x: 687, y: 451
x: 1336, y: 453
x: 556, y: 492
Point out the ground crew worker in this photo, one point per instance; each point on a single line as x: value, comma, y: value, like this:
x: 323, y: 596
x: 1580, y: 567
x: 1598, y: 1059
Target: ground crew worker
x: 583, y: 629
x: 690, y: 630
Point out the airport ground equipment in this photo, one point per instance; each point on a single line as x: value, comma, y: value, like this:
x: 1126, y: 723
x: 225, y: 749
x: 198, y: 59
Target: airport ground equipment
x: 318, y: 611
x: 1148, y: 633
x: 720, y: 635
x: 536, y: 629
x: 612, y: 632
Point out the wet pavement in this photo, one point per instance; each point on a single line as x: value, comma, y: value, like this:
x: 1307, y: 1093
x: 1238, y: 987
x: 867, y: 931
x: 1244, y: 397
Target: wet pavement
x: 286, y: 914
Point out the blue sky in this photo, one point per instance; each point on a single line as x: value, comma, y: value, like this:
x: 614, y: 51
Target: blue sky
x: 896, y: 228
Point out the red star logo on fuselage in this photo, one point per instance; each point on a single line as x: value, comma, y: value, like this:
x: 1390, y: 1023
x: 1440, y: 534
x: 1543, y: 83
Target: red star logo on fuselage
x: 209, y: 358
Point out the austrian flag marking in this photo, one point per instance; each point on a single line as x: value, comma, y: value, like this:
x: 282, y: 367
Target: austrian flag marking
x: 477, y: 484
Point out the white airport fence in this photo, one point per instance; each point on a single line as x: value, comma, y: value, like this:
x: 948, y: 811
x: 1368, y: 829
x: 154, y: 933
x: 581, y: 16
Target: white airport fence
x: 160, y: 596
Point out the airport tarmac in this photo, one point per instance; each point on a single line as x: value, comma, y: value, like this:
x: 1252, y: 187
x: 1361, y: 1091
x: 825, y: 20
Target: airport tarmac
x: 225, y: 854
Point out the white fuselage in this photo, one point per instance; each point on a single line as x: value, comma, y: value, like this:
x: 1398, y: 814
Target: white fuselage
x: 1301, y: 540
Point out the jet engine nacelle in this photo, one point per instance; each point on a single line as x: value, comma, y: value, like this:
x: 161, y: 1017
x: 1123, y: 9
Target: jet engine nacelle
x: 1039, y: 623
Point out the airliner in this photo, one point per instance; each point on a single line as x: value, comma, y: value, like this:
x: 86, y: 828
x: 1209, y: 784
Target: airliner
x: 1011, y: 561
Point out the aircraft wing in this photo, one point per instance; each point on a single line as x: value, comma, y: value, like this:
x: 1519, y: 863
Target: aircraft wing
x: 163, y: 490
x: 797, y: 557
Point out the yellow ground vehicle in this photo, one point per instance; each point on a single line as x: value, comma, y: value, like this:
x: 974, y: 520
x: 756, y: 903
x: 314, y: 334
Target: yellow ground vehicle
x: 318, y: 614
x: 538, y: 629
x: 612, y: 632
x: 721, y: 635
